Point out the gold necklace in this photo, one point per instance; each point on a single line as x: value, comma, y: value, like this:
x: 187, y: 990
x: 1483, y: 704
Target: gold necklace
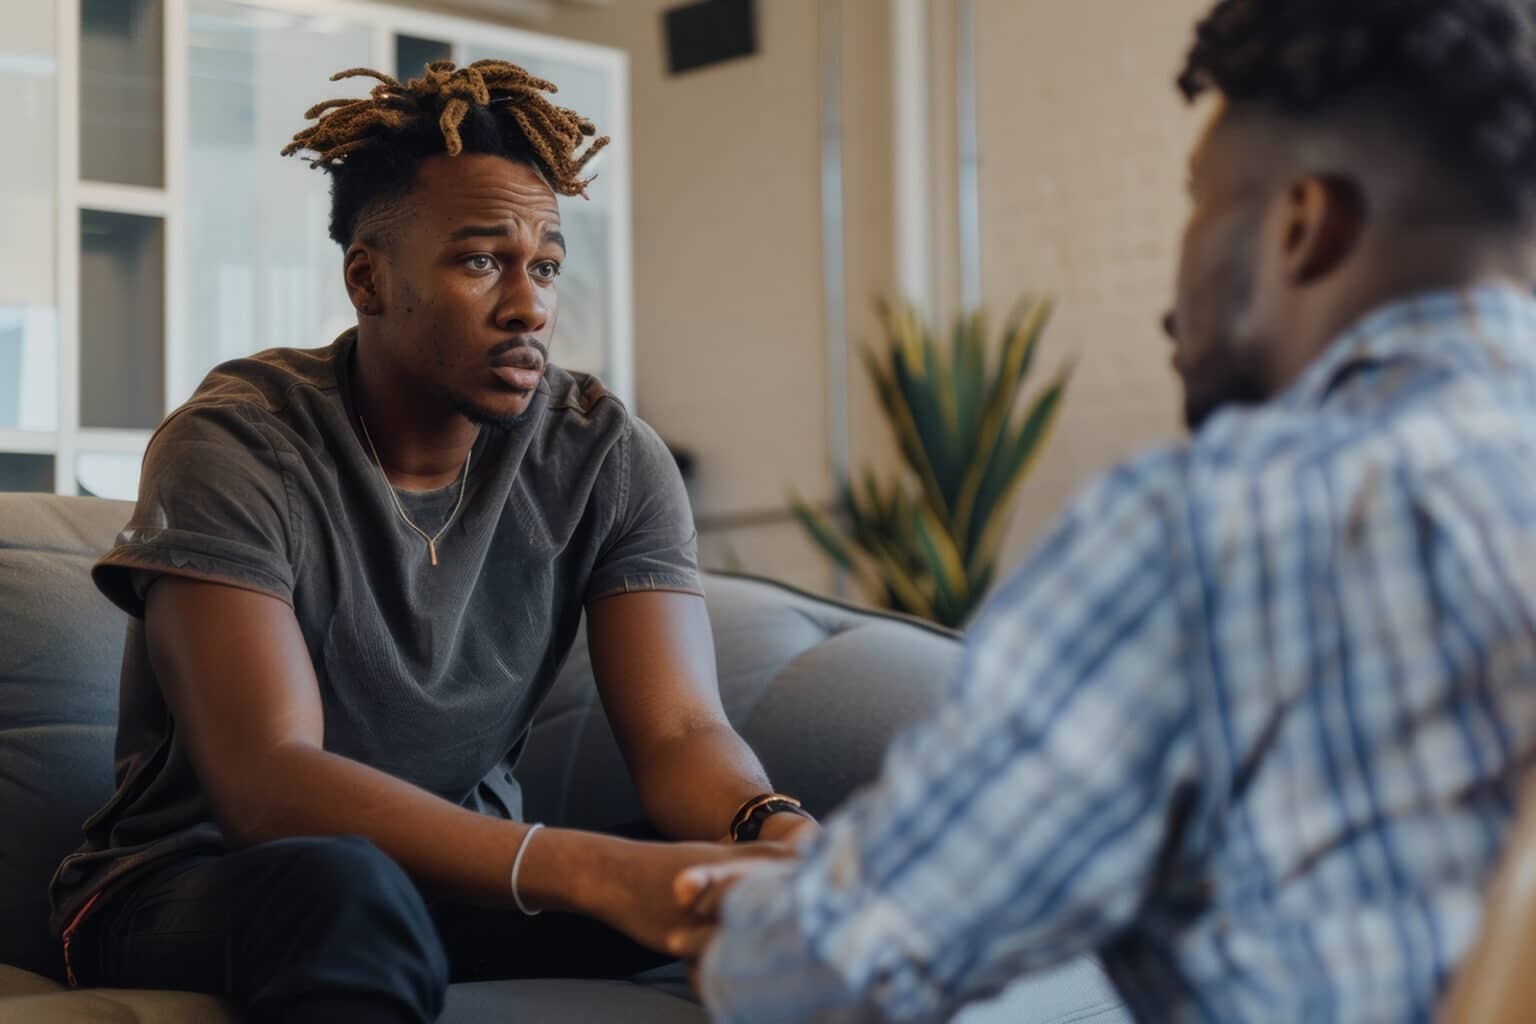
x: 431, y: 539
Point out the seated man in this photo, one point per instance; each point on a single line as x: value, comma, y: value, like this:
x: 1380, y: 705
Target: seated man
x: 1251, y: 720
x: 356, y: 572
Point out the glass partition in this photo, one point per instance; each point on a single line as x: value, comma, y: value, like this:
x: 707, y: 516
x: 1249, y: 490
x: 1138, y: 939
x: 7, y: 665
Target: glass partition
x: 261, y: 268
x: 122, y: 92
x: 29, y: 342
x: 122, y: 320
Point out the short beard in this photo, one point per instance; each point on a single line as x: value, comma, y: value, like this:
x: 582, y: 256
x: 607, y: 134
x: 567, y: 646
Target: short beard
x: 482, y: 417
x: 1234, y: 371
x: 1236, y: 376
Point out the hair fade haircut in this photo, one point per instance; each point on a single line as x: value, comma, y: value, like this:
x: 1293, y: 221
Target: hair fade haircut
x: 372, y: 147
x: 1463, y: 71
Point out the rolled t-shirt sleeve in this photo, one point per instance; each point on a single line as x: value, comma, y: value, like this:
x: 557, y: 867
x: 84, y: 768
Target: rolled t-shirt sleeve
x: 652, y: 543
x: 213, y: 505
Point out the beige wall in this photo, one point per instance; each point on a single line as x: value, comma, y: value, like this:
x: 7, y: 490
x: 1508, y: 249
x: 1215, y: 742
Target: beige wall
x: 1083, y: 153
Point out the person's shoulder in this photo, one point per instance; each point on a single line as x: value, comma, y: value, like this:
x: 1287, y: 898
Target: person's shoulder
x: 251, y: 399
x: 581, y: 406
x: 571, y: 391
x: 1157, y: 475
x: 267, y: 380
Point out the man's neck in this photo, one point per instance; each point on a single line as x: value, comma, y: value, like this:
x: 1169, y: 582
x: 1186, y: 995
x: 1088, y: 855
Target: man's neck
x: 420, y: 445
x: 1394, y: 269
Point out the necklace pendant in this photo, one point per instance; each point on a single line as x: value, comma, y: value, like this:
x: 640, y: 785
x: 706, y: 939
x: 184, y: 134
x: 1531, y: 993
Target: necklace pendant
x: 432, y: 550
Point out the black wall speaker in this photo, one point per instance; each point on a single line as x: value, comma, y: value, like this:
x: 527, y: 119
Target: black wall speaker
x: 710, y: 31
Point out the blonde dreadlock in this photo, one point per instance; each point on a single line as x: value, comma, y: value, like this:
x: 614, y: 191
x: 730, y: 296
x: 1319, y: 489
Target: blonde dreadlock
x: 447, y: 94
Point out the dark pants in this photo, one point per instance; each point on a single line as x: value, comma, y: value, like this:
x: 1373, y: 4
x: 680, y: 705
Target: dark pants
x: 326, y: 929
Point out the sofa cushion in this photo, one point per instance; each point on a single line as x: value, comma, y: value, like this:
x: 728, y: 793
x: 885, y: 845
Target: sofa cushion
x: 817, y: 687
x: 61, y: 645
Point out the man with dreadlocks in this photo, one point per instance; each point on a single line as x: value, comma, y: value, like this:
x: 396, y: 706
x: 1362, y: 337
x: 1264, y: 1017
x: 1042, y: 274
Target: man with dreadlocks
x: 1250, y: 722
x: 355, y: 572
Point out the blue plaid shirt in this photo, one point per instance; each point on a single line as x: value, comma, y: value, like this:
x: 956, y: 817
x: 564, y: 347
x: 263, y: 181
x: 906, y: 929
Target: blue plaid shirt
x: 1249, y: 723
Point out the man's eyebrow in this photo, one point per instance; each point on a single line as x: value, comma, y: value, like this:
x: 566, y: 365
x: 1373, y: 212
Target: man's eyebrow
x: 501, y: 231
x: 480, y: 231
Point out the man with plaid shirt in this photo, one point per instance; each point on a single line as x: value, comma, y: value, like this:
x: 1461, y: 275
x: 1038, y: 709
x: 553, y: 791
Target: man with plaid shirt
x: 1250, y: 722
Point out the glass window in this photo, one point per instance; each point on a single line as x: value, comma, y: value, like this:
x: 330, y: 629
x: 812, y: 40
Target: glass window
x: 122, y: 320
x: 109, y: 474
x: 25, y: 472
x: 29, y: 383
x: 122, y: 92
x: 413, y: 54
x: 261, y: 268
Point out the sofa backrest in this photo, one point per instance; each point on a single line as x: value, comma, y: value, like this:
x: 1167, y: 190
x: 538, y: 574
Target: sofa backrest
x: 61, y: 647
x: 817, y: 688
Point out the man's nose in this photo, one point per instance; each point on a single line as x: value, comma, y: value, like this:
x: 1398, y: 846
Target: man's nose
x: 1171, y: 326
x: 522, y: 309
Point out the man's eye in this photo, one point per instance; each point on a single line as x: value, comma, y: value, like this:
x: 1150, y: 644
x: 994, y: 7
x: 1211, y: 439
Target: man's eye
x: 546, y: 270
x: 480, y: 261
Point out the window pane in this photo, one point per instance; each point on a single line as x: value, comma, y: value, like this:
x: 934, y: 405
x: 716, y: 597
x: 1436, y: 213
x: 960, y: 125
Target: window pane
x: 20, y: 472
x: 413, y: 54
x: 262, y: 270
x: 29, y: 368
x: 29, y: 386
x: 122, y: 92
x: 109, y: 474
x: 122, y: 320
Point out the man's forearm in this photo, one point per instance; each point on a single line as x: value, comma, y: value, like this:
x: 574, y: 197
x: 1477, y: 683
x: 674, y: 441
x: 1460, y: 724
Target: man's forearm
x: 691, y: 784
x: 308, y: 791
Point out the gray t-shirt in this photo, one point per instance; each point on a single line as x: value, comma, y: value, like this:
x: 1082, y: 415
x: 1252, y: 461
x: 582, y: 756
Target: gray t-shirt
x: 432, y: 674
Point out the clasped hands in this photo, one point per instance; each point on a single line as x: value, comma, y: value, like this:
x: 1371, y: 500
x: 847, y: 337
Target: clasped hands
x: 700, y: 890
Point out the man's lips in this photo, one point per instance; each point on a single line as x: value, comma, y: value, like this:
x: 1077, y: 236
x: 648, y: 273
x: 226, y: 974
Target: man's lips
x: 521, y: 368
x: 518, y: 377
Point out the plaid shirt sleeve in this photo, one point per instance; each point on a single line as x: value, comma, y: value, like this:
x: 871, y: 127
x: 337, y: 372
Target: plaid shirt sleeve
x: 1021, y: 824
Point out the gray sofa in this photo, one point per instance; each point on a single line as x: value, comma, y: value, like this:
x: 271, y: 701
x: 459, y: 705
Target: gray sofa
x: 817, y: 688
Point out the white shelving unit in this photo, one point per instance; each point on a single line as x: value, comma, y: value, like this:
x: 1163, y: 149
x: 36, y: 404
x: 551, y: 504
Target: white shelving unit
x: 190, y: 241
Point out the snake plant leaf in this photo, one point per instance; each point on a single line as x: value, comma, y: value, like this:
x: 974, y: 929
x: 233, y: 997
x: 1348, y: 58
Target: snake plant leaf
x: 944, y: 566
x: 1022, y: 339
x: 918, y: 391
x: 908, y: 594
x: 1014, y: 459
x: 909, y: 439
x: 926, y: 541
x: 970, y: 383
x: 824, y: 533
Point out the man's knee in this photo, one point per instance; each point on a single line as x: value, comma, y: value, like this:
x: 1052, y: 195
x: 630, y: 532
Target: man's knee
x: 346, y: 869
x: 353, y: 911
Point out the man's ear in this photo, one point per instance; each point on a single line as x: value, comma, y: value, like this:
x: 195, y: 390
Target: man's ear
x: 1324, y: 218
x: 360, y: 269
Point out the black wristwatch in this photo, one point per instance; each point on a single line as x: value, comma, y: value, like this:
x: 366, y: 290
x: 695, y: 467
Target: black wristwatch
x: 748, y: 823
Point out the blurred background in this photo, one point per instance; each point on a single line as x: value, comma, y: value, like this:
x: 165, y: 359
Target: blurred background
x: 778, y: 166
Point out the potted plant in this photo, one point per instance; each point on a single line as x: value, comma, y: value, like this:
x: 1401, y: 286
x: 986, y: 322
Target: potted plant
x: 926, y: 541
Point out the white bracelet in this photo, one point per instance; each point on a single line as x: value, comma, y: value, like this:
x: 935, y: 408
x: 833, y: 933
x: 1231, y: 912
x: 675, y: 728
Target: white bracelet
x: 517, y: 863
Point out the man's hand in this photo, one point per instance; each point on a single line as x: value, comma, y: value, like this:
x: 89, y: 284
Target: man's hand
x: 699, y: 892
x: 641, y: 899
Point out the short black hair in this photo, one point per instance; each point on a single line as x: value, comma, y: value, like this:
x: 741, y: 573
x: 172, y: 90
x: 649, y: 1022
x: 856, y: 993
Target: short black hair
x: 1464, y: 70
x: 372, y: 148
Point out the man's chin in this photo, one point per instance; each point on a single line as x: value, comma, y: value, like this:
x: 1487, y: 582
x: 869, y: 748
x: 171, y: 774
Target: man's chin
x: 1200, y: 406
x: 509, y: 411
